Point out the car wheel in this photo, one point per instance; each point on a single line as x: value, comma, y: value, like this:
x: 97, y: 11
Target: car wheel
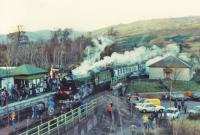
x: 161, y: 110
x: 144, y: 111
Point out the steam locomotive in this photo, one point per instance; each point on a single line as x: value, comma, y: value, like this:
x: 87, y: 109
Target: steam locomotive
x: 76, y: 87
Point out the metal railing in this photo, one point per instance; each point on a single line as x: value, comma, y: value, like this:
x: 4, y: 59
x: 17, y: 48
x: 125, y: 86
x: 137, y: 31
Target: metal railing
x: 20, y: 105
x: 68, y: 118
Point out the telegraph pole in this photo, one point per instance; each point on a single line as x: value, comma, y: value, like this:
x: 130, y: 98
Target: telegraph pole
x: 170, y: 93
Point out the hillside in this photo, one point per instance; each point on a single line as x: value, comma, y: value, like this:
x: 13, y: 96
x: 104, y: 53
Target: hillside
x: 42, y: 35
x: 185, y: 31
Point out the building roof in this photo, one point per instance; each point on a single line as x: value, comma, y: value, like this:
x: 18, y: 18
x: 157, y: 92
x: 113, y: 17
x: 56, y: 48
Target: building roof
x: 2, y: 73
x: 171, y: 62
x: 27, y: 69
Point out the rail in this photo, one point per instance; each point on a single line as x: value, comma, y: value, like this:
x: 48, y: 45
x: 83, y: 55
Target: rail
x: 20, y: 105
x: 68, y: 118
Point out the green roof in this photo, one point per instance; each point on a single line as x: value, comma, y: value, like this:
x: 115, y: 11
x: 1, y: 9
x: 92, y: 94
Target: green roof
x: 27, y: 69
x: 2, y: 73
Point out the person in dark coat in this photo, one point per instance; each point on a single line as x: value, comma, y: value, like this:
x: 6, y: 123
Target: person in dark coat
x: 34, y: 113
x: 182, y: 104
x: 175, y: 103
x: 179, y: 106
x: 151, y: 119
x: 185, y: 108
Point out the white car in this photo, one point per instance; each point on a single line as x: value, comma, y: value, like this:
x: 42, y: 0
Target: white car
x: 196, y: 110
x: 148, y: 107
x: 172, y: 113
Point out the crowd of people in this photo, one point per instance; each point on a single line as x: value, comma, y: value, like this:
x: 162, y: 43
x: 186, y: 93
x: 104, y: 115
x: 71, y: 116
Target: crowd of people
x: 37, y: 112
x: 22, y: 91
x: 155, y: 119
x: 151, y: 120
x: 180, y: 105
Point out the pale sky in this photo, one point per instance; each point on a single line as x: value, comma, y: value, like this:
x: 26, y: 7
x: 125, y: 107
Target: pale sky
x: 86, y: 15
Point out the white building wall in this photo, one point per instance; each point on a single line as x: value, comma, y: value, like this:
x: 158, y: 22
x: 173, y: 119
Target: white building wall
x: 156, y: 73
x: 179, y: 73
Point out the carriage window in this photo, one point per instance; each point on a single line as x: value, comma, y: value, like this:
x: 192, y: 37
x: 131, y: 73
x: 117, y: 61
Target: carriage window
x: 124, y: 70
x: 132, y: 69
x: 120, y: 71
x: 137, y: 68
x: 115, y: 72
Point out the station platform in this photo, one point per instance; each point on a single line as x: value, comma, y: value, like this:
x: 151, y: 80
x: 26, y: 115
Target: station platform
x: 20, y: 105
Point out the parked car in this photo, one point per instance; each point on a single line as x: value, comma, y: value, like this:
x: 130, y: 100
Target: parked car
x: 196, y: 96
x: 178, y: 96
x: 133, y: 100
x: 172, y: 113
x: 196, y: 110
x: 149, y: 107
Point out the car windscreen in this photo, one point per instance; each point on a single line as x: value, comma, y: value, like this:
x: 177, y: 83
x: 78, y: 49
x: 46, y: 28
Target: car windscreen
x: 196, y: 94
x: 171, y: 111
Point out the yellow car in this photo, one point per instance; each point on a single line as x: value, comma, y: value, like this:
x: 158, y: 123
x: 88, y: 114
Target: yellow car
x: 154, y: 101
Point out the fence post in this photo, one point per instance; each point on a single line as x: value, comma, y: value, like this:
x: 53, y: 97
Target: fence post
x: 86, y: 109
x: 65, y: 121
x: 72, y: 116
x: 57, y: 124
x: 79, y: 113
x: 65, y: 118
x: 48, y: 128
x: 38, y: 130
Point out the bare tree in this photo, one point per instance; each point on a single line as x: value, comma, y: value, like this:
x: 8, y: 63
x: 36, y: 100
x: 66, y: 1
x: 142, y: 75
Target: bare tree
x: 112, y: 32
x: 59, y: 50
x: 176, y: 74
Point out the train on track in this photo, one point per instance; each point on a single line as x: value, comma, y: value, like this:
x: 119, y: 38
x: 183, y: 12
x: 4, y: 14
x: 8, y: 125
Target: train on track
x: 77, y: 87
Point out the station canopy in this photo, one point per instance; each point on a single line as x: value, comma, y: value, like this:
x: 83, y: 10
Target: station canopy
x: 28, y: 72
x: 2, y: 73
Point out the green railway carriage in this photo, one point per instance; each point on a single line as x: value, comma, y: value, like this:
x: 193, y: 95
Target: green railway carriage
x: 100, y: 79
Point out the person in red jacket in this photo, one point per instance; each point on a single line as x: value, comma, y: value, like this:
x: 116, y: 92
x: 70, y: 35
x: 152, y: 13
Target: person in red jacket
x: 110, y: 109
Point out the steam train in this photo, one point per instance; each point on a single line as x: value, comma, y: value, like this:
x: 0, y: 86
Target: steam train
x: 76, y: 87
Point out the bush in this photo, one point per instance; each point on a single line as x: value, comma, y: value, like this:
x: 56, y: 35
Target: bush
x: 182, y: 127
x: 194, y: 116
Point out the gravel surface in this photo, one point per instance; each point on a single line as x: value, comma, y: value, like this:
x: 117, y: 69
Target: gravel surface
x: 103, y: 127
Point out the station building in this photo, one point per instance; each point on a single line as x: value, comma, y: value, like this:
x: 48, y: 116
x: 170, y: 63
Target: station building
x: 172, y: 68
x: 26, y: 74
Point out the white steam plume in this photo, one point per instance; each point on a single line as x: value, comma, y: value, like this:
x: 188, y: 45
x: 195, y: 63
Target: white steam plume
x: 138, y: 55
x: 184, y: 57
x: 92, y: 55
x: 168, y: 50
